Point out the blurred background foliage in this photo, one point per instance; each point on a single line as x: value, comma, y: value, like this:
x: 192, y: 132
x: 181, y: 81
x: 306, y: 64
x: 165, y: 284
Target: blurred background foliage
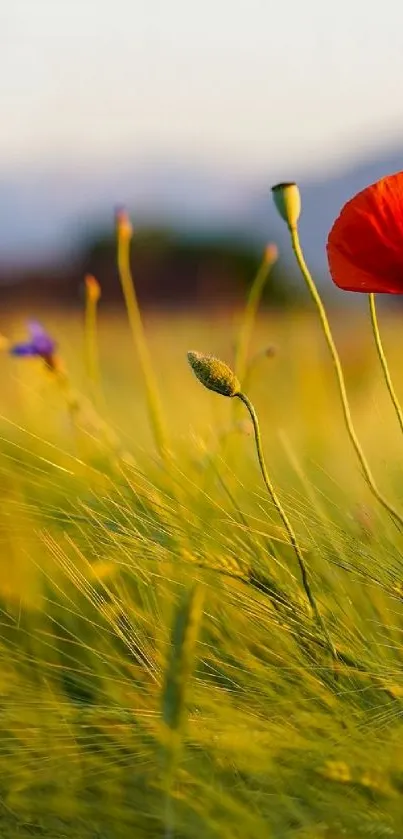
x: 172, y: 270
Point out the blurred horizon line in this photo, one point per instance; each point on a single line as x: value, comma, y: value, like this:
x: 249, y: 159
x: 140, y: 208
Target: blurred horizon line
x: 47, y: 214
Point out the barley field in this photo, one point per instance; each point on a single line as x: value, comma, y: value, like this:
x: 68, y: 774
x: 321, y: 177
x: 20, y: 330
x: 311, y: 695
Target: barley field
x: 162, y: 671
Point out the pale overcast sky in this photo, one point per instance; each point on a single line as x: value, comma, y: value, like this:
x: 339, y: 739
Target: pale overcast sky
x: 252, y: 84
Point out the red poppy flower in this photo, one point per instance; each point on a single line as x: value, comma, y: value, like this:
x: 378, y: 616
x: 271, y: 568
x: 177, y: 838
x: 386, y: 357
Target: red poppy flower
x: 365, y: 244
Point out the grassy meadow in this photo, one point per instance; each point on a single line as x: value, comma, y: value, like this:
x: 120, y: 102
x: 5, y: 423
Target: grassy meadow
x: 161, y: 671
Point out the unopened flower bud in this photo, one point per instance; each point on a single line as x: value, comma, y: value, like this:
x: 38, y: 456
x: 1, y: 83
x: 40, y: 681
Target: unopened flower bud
x: 288, y: 202
x: 214, y: 374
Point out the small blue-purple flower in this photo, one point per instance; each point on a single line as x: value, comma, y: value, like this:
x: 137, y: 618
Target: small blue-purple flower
x: 40, y: 345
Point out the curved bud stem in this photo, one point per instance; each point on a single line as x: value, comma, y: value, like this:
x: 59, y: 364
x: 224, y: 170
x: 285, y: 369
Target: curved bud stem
x: 287, y: 524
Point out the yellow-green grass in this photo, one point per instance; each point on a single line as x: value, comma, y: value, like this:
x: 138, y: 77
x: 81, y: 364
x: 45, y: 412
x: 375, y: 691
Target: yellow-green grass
x: 100, y: 547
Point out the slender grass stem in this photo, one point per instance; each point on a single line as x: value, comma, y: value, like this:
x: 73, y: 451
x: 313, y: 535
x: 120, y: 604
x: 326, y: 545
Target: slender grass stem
x: 383, y: 360
x: 80, y: 406
x: 139, y: 339
x: 92, y: 294
x: 184, y: 637
x: 287, y: 524
x: 250, y: 311
x: 340, y: 378
x: 71, y: 399
x: 266, y: 353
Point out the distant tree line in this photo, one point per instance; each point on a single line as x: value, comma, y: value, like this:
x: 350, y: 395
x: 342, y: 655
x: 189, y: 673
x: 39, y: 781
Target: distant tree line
x: 170, y: 270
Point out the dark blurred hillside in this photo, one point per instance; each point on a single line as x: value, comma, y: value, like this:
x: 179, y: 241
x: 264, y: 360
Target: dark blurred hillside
x: 170, y: 271
x: 46, y: 212
x: 199, y: 233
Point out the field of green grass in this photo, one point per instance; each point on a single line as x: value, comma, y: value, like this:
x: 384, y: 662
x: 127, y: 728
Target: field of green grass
x: 161, y: 672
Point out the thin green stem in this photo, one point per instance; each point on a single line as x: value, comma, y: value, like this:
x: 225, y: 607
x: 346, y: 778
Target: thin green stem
x: 340, y: 378
x: 91, y: 344
x: 80, y: 406
x: 72, y: 401
x: 287, y: 524
x: 267, y: 352
x: 383, y: 360
x: 250, y: 312
x: 180, y: 665
x: 139, y: 339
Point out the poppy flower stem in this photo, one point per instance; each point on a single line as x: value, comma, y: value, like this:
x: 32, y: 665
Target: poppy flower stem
x: 286, y: 522
x: 340, y: 377
x: 382, y: 359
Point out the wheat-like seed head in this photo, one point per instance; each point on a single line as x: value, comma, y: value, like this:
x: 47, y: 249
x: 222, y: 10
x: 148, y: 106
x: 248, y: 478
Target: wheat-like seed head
x: 184, y: 635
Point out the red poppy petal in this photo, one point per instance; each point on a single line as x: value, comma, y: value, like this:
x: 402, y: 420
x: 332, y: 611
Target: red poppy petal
x: 365, y: 244
x: 350, y: 278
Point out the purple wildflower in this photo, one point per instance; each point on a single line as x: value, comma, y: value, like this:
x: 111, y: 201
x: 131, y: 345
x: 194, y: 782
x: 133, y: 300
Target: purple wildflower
x: 40, y: 345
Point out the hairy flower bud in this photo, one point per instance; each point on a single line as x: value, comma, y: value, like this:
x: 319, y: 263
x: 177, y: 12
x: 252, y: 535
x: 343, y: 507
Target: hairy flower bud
x: 214, y: 374
x: 288, y: 202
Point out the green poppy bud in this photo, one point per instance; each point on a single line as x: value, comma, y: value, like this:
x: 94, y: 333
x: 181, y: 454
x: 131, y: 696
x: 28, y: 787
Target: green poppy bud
x: 214, y: 374
x: 288, y: 202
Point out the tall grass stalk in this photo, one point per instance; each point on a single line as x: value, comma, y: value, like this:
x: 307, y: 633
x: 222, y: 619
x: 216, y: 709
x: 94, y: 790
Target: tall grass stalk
x: 80, y: 406
x: 251, y: 309
x: 266, y: 353
x: 92, y: 296
x: 184, y: 635
x: 340, y: 377
x: 383, y: 360
x: 69, y: 395
x: 124, y: 236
